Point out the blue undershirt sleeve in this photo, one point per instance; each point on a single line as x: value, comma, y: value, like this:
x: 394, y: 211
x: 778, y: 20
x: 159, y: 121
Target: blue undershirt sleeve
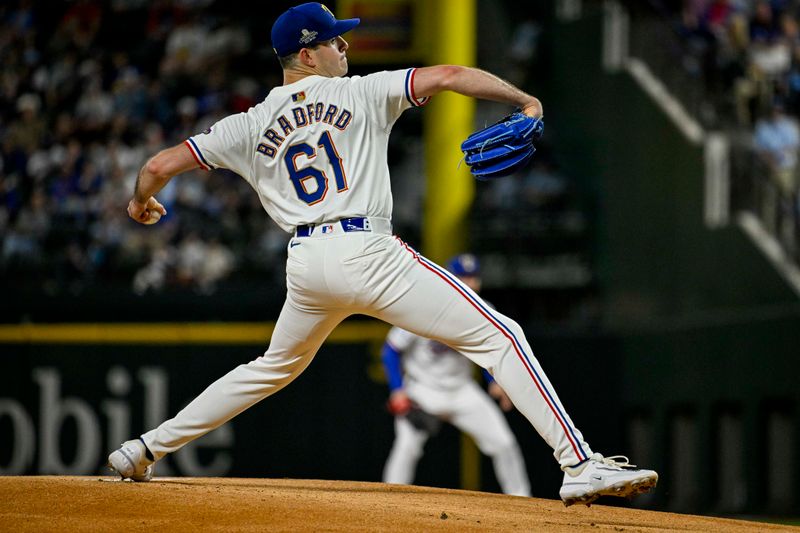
x: 391, y: 365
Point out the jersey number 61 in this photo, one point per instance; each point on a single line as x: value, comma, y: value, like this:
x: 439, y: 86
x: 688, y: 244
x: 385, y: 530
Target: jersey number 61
x: 299, y: 176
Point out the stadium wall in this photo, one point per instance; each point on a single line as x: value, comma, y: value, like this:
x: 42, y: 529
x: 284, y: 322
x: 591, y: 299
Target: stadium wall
x: 72, y: 392
x: 707, y: 330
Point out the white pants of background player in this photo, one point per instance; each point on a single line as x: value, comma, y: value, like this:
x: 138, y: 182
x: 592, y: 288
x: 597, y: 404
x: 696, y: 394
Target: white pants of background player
x: 471, y: 410
x: 332, y: 275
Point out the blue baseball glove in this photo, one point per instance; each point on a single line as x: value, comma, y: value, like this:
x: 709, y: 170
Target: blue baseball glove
x: 502, y: 148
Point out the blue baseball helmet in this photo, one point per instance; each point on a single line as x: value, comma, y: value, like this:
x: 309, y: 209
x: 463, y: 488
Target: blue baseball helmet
x: 464, y: 265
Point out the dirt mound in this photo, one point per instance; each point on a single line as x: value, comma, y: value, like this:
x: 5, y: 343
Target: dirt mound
x: 229, y: 504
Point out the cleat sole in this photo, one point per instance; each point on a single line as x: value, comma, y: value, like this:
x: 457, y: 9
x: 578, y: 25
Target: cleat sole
x: 620, y: 490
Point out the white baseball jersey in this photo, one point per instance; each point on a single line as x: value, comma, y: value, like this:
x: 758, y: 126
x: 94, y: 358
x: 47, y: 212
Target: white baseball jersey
x: 296, y: 148
x: 430, y: 362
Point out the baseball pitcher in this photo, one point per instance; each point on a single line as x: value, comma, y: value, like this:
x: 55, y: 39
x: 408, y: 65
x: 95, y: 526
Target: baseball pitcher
x: 315, y: 153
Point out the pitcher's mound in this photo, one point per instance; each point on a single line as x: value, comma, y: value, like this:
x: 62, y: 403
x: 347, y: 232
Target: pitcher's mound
x: 228, y: 504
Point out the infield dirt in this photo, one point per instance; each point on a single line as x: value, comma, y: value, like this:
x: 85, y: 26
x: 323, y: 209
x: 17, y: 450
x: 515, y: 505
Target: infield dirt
x: 229, y: 504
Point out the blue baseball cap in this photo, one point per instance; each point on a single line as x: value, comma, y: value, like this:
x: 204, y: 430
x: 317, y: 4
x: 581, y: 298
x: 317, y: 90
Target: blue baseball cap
x: 464, y: 265
x: 302, y: 26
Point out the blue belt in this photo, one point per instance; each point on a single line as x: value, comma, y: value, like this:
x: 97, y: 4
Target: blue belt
x: 347, y: 224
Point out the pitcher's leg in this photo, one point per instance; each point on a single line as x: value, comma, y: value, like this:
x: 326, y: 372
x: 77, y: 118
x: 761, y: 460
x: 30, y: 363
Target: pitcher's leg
x: 435, y: 304
x: 522, y: 377
x: 297, y: 336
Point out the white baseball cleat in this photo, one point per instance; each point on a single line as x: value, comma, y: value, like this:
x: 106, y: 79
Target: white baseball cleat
x: 131, y: 461
x: 605, y: 476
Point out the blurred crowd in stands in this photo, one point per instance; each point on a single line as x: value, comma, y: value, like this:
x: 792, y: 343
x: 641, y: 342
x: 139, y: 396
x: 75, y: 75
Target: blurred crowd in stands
x: 748, y: 53
x: 89, y: 89
x: 749, y: 50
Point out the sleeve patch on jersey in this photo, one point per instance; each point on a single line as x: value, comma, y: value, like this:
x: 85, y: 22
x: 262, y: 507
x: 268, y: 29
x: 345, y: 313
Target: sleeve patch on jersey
x: 197, y: 154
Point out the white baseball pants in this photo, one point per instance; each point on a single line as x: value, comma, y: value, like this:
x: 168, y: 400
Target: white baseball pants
x: 330, y: 276
x: 472, y: 411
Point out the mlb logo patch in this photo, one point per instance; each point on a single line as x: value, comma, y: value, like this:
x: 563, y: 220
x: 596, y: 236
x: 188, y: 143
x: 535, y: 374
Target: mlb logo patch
x: 299, y: 97
x: 327, y: 228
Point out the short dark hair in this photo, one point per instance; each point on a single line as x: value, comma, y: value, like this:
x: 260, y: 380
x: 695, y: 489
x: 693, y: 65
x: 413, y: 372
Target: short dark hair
x: 289, y: 59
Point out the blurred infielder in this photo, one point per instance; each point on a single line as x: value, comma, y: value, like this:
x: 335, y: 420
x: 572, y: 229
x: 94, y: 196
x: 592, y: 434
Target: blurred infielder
x: 431, y: 383
x: 315, y: 152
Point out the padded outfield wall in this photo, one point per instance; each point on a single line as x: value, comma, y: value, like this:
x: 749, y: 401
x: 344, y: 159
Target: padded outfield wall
x: 72, y: 392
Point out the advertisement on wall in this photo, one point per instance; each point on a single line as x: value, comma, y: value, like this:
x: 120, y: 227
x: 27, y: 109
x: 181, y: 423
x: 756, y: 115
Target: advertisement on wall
x: 64, y: 407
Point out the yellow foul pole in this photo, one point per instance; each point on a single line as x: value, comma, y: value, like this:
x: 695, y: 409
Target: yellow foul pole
x: 449, y: 186
x: 447, y: 122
